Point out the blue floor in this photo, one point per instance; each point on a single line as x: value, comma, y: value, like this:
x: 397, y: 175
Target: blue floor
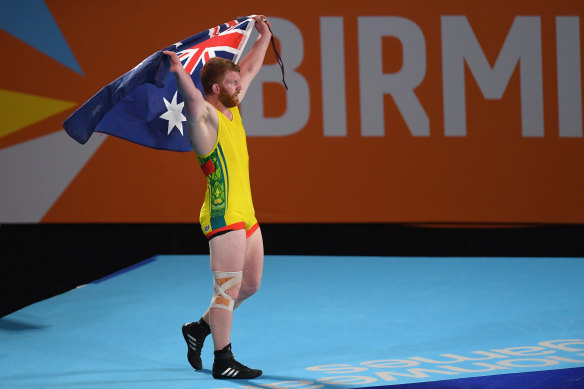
x: 317, y: 322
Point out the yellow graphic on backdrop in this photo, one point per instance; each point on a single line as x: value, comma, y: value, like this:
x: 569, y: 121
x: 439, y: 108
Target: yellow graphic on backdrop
x: 19, y: 110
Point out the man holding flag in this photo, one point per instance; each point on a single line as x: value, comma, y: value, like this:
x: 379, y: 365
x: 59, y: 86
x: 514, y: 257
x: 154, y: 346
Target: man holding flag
x: 142, y: 106
x: 227, y: 218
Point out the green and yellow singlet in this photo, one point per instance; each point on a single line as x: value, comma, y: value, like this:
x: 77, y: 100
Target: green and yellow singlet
x: 228, y: 204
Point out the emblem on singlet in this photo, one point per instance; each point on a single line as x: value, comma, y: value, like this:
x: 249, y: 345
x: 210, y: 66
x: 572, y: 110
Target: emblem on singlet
x: 215, y: 169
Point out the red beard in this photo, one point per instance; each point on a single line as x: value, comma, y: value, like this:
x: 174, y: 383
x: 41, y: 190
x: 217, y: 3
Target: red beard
x: 228, y: 100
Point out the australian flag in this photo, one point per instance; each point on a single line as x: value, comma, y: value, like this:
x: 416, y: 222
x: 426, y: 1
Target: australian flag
x: 143, y: 105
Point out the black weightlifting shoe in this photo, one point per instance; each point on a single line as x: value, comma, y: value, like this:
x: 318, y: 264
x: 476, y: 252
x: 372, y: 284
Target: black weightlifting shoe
x: 226, y: 367
x: 195, y: 334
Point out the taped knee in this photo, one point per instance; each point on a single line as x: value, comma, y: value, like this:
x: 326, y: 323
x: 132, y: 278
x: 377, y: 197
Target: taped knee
x: 223, y: 282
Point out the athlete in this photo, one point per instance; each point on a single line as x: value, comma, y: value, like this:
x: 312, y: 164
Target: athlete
x: 227, y: 216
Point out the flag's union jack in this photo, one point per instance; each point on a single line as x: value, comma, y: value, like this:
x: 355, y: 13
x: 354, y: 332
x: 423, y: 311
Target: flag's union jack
x: 227, y: 38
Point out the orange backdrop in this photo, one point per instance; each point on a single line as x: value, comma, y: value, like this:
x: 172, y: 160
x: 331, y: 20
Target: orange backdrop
x: 493, y: 174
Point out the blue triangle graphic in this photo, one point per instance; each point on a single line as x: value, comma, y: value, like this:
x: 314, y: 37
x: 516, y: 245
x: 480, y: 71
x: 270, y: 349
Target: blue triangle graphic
x: 32, y: 22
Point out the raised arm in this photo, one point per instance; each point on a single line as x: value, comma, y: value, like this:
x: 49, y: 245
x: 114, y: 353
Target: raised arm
x: 201, y: 116
x: 251, y: 64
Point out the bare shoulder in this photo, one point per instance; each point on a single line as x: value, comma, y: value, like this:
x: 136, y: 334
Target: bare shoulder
x: 203, y: 131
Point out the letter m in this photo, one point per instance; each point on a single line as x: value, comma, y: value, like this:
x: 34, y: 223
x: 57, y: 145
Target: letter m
x: 522, y: 44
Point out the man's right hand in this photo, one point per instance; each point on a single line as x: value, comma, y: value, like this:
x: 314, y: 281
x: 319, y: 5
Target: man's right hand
x: 175, y: 64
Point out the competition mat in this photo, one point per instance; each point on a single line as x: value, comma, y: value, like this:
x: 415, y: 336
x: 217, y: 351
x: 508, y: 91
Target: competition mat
x: 316, y: 322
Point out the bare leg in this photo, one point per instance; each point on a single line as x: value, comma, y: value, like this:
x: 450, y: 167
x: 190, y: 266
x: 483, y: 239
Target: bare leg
x: 252, y: 267
x: 252, y: 270
x: 230, y: 252
x: 228, y: 255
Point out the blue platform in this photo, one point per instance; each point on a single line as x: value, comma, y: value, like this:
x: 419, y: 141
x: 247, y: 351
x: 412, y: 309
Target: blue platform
x: 317, y: 322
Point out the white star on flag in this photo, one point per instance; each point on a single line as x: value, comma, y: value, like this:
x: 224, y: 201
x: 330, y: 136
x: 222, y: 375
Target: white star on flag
x: 174, y: 114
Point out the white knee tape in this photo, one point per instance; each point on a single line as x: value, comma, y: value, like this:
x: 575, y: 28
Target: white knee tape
x: 223, y: 282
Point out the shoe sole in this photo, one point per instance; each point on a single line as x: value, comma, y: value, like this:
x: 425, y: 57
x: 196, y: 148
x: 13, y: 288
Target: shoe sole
x: 237, y: 377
